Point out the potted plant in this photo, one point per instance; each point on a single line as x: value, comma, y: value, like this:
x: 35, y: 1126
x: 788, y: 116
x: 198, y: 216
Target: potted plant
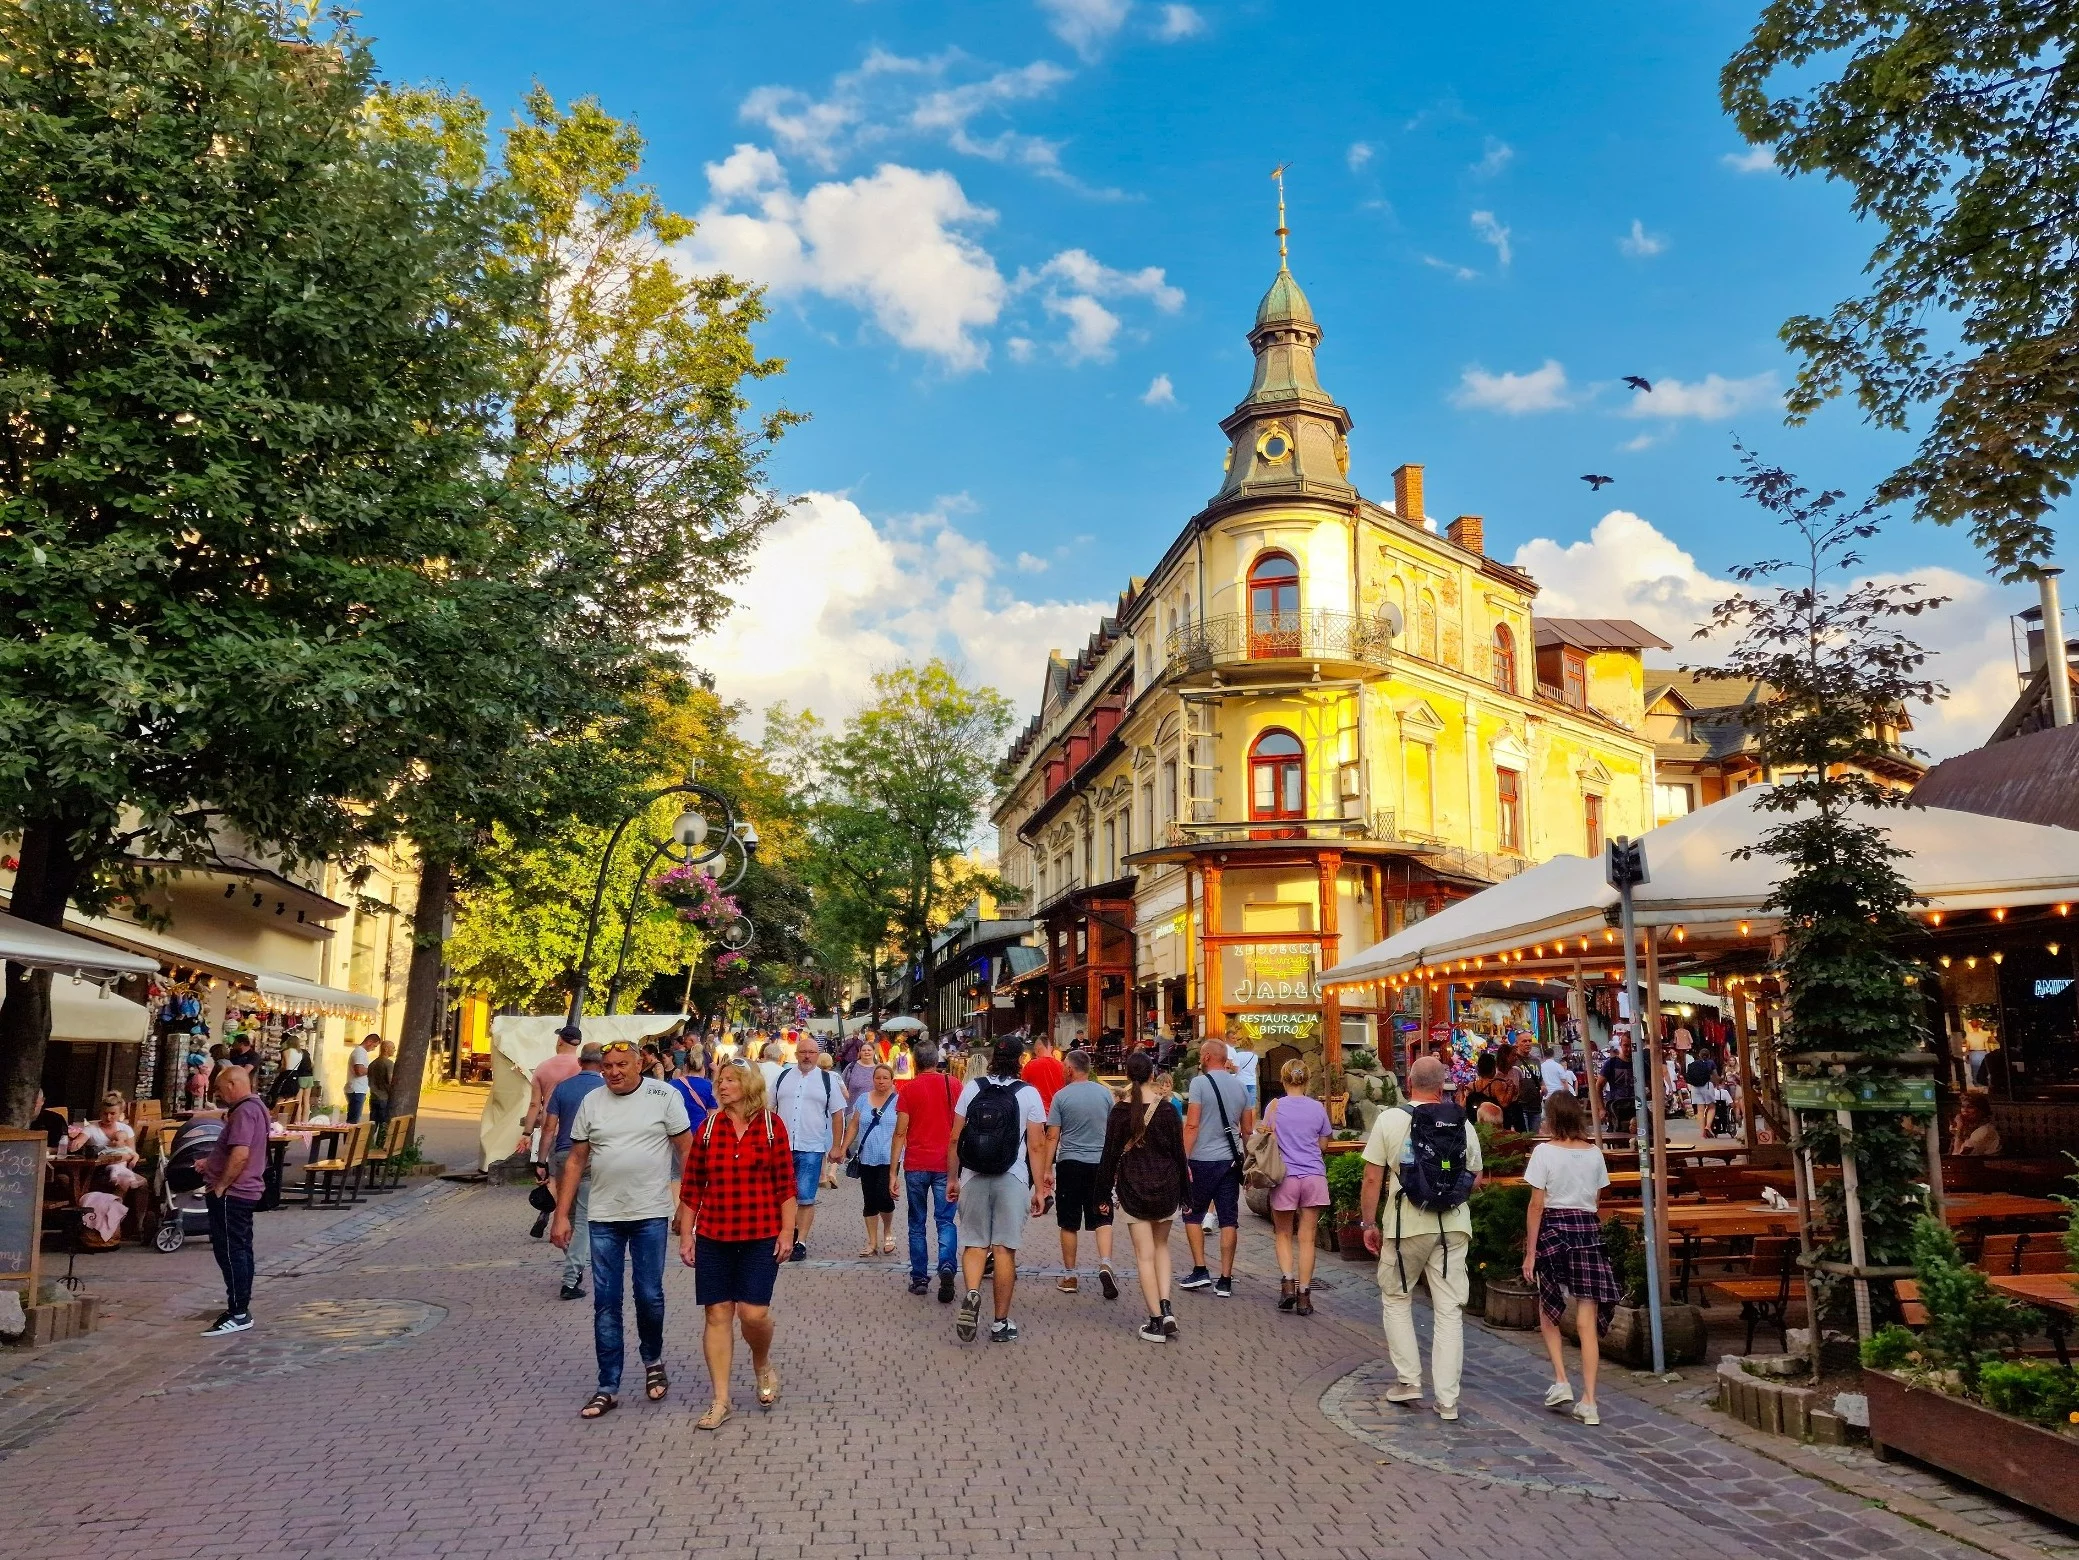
x: 1953, y: 1396
x: 1630, y: 1338
x: 1345, y: 1186
x: 1494, y: 1260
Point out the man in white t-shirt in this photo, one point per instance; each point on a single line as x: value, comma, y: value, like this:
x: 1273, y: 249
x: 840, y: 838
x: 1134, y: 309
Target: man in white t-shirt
x: 993, y: 1207
x: 811, y: 1100
x: 1243, y: 1062
x: 1555, y: 1075
x: 358, y: 1060
x: 631, y: 1137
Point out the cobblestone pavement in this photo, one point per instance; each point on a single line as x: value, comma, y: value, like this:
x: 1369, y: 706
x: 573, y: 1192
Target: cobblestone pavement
x: 412, y: 1391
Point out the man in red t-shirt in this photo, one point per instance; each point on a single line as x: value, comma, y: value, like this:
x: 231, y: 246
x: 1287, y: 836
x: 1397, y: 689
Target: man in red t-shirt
x: 1043, y: 1070
x: 923, y: 1134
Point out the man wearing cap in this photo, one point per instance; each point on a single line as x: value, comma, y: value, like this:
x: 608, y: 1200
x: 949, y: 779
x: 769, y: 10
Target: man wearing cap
x: 547, y: 1075
x: 555, y: 1138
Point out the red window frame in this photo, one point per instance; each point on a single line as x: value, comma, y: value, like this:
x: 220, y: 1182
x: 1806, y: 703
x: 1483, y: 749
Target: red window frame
x: 1508, y: 810
x: 1277, y: 768
x: 1274, y: 607
x: 1592, y: 822
x: 1504, y: 658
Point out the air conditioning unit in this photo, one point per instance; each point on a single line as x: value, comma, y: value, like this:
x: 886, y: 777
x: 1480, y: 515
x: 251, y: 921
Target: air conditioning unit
x: 1348, y: 782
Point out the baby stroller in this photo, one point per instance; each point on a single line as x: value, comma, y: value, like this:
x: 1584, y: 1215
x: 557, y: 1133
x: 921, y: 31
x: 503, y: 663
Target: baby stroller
x: 183, y: 1210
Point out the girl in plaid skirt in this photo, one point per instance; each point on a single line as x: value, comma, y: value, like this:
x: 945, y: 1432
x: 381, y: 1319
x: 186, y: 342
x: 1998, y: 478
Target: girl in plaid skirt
x: 1563, y: 1248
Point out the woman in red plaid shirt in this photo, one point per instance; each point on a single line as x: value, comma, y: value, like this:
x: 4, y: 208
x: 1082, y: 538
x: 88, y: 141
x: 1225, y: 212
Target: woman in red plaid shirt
x: 735, y: 1224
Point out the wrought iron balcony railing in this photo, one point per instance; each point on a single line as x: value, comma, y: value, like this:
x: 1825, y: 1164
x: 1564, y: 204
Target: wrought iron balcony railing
x: 1240, y: 638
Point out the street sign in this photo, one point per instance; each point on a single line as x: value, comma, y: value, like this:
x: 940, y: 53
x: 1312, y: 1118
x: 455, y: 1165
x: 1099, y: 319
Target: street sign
x: 1624, y: 863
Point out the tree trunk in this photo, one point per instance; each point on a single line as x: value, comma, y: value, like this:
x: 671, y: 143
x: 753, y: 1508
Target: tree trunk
x: 43, y: 884
x: 423, y: 1009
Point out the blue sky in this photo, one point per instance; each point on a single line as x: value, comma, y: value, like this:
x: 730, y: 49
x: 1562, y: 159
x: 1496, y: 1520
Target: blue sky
x: 1013, y: 250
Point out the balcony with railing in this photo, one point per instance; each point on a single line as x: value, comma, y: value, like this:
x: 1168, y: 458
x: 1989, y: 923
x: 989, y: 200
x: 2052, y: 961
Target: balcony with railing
x: 1378, y: 828
x: 1238, y: 643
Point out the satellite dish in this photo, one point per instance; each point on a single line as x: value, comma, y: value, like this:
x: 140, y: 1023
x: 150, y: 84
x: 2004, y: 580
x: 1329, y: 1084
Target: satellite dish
x: 1395, y: 621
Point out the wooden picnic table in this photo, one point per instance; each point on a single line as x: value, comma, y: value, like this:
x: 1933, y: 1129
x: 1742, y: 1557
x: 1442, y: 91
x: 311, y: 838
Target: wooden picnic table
x: 1622, y: 1182
x: 2056, y: 1295
x: 1984, y: 1207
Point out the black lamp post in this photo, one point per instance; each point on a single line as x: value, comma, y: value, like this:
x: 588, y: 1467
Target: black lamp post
x: 690, y: 845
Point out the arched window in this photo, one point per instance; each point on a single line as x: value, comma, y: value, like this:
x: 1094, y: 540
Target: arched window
x: 1426, y: 626
x: 1504, y: 658
x: 1277, y: 776
x: 1274, y: 606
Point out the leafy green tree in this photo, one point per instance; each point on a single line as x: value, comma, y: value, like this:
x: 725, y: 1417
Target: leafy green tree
x: 1839, y: 667
x: 904, y: 786
x: 247, y: 387
x: 1955, y: 127
x: 631, y: 432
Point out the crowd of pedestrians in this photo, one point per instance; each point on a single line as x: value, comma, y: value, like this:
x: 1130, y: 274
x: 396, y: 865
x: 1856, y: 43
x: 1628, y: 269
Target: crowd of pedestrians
x: 728, y: 1149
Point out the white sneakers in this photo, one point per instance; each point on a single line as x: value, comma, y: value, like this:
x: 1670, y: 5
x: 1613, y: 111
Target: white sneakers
x: 1558, y: 1395
x: 1404, y: 1392
x: 1585, y: 1412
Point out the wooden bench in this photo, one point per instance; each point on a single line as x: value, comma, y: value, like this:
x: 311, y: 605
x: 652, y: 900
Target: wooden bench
x: 1723, y: 1183
x: 341, y: 1171
x: 1765, y: 1293
x: 383, y: 1164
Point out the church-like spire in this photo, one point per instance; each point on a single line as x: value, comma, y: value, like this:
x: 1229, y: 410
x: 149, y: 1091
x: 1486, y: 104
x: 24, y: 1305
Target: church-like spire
x: 1288, y: 431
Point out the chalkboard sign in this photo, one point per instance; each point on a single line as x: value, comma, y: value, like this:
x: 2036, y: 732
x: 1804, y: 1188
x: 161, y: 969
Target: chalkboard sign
x: 21, y: 1202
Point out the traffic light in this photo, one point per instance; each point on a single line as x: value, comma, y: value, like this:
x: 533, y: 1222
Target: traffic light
x: 1624, y: 863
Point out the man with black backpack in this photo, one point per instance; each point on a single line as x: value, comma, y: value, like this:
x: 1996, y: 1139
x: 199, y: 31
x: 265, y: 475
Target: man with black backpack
x: 998, y: 1163
x: 1425, y: 1157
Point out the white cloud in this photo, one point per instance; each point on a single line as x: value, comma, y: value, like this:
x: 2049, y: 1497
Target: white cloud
x: 1711, y: 399
x: 835, y: 596
x: 1496, y: 156
x: 1756, y: 159
x: 1360, y: 153
x: 1020, y: 348
x: 1076, y: 269
x: 1628, y: 568
x: 1091, y: 326
x: 1178, y: 23
x: 1457, y: 272
x: 892, y: 244
x: 1160, y: 392
x: 1028, y: 564
x: 893, y: 96
x: 1640, y: 244
x: 1489, y: 231
x: 1085, y: 25
x: 1643, y: 441
x: 1543, y: 389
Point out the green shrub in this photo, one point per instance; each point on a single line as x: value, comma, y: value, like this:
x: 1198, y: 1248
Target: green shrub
x: 1889, y: 1347
x: 1499, y: 1213
x: 1360, y: 1059
x: 1626, y: 1249
x: 1968, y: 1325
x: 1345, y: 1182
x: 1503, y: 1152
x: 2029, y: 1389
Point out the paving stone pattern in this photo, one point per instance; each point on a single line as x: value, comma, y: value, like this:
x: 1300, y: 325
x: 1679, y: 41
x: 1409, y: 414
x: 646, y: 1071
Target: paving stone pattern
x: 412, y: 1390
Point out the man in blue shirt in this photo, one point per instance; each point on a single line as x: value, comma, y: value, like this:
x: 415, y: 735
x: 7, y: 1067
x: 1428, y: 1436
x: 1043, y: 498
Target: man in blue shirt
x: 557, y: 1117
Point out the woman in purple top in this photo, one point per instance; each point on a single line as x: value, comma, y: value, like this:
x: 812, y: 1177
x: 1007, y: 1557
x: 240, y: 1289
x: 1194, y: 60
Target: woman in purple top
x: 1300, y: 1124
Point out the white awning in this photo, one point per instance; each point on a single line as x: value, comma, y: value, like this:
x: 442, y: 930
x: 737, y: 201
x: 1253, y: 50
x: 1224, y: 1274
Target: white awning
x: 287, y: 994
x: 42, y: 948
x: 1953, y: 861
x: 83, y: 1013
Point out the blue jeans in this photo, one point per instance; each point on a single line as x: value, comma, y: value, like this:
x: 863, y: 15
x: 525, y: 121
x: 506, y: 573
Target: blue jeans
x: 642, y: 1241
x: 920, y: 1184
x: 231, y: 1240
x: 808, y: 1177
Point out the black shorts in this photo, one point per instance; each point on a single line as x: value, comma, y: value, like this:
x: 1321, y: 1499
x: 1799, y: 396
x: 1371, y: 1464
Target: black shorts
x: 742, y: 1271
x: 873, y: 1190
x: 1076, y: 1196
x: 1216, y: 1184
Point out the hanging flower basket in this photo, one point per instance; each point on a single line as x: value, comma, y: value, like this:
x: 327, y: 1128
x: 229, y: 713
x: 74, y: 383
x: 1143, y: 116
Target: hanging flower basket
x: 692, y: 892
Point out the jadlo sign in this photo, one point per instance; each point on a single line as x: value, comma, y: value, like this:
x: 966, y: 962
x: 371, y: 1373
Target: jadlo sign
x: 1273, y: 972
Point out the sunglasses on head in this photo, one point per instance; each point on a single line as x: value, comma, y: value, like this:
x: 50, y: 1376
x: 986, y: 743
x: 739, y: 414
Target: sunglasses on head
x: 617, y: 1045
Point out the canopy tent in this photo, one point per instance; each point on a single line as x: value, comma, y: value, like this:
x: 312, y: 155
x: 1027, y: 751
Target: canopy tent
x: 83, y: 1013
x: 521, y: 1044
x: 276, y: 992
x: 287, y: 994
x: 43, y: 948
x: 1955, y: 861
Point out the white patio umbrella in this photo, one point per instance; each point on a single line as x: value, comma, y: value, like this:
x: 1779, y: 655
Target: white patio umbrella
x: 902, y: 1024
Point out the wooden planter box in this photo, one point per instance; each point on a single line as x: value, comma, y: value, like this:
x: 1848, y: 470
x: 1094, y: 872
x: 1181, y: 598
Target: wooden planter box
x: 1511, y: 1303
x: 1630, y: 1338
x: 2008, y: 1456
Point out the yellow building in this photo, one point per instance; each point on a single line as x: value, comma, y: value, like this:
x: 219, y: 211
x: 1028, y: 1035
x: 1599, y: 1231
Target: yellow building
x: 1317, y: 718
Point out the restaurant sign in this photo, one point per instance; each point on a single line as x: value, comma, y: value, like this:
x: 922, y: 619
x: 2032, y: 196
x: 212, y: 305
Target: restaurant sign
x: 1261, y: 973
x: 1887, y: 1093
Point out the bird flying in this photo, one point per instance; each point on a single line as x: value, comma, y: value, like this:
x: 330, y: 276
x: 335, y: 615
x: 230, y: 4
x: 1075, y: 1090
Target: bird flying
x: 1643, y: 386
x: 1598, y: 483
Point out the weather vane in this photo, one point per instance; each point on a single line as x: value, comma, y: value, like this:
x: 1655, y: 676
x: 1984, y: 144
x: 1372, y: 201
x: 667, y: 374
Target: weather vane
x: 1278, y: 173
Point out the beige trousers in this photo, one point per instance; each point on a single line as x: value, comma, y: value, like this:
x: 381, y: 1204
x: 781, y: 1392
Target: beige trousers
x: 1440, y: 1263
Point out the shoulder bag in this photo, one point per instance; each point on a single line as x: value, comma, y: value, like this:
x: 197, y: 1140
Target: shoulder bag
x: 1263, y: 1164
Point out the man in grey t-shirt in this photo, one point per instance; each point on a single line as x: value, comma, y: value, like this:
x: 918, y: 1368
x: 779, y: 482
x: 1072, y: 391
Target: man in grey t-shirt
x: 1076, y: 1124
x: 1217, y: 1122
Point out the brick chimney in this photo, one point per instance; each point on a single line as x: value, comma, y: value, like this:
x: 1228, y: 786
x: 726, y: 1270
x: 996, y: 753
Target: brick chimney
x: 1407, y: 493
x: 1469, y: 532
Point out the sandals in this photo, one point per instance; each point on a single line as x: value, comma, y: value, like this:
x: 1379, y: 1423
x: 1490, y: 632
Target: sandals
x: 867, y: 1252
x: 768, y: 1386
x: 712, y: 1419
x: 598, y: 1405
x: 888, y: 1246
x: 654, y: 1382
